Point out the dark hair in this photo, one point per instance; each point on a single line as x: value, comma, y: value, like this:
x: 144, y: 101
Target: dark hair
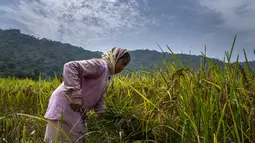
x: 126, y: 56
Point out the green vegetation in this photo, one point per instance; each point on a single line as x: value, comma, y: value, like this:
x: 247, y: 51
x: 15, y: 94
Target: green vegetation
x: 177, y: 105
x: 24, y: 56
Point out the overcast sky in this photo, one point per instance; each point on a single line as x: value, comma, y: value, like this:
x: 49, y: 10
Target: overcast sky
x: 184, y: 25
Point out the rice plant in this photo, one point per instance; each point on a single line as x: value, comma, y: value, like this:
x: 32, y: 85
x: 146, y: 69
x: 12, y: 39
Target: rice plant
x: 172, y: 105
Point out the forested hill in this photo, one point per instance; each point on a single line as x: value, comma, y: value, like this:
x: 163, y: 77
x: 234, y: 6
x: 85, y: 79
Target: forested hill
x: 26, y: 56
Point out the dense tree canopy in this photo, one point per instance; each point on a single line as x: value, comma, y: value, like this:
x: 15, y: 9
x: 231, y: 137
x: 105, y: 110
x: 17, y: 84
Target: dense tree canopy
x: 27, y: 56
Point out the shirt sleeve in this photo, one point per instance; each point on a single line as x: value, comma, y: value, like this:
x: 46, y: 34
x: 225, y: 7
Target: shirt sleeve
x: 74, y: 70
x: 100, y: 105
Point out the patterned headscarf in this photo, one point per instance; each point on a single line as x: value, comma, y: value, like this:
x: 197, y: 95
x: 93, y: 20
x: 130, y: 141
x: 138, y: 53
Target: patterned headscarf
x: 112, y: 56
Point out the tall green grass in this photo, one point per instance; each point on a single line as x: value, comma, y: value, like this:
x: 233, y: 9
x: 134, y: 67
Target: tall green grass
x: 176, y: 105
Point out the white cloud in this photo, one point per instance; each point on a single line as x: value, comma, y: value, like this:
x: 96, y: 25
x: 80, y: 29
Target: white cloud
x: 237, y: 15
x: 111, y: 0
x: 78, y: 22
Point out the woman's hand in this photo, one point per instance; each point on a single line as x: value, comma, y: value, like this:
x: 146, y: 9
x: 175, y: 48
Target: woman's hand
x: 76, y: 104
x: 100, y: 116
x: 76, y: 101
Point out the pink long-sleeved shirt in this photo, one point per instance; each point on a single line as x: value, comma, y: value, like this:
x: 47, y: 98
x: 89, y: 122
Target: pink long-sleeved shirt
x: 91, y: 78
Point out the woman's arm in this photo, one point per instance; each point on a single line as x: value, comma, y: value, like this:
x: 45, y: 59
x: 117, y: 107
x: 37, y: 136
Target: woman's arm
x: 74, y: 70
x: 100, y: 106
x: 72, y: 74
